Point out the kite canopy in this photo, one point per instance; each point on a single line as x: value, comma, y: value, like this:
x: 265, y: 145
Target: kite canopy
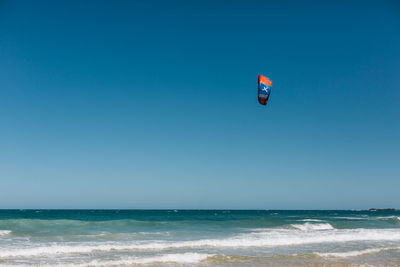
x: 264, y: 89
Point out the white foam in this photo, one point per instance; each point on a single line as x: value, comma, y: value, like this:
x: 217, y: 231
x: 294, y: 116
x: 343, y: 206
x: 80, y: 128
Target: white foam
x: 267, y: 238
x: 178, y: 258
x: 5, y: 232
x: 350, y: 218
x: 310, y: 220
x: 354, y: 253
x: 313, y: 226
x: 166, y: 258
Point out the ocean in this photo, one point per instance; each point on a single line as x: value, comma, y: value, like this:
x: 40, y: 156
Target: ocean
x: 199, y: 238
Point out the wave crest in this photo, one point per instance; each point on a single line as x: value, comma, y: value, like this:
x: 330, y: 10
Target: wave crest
x: 268, y: 238
x: 313, y: 226
x: 5, y: 232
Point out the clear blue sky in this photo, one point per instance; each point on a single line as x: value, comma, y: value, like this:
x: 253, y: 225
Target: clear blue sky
x: 146, y: 104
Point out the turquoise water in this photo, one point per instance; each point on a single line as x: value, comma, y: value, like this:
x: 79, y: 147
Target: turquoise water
x: 198, y: 238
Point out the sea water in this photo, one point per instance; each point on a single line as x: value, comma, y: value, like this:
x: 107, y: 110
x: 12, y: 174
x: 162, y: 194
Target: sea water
x: 199, y: 238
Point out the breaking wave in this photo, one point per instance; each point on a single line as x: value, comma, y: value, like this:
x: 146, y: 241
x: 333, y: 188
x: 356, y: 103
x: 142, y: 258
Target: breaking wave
x: 313, y: 226
x: 267, y: 238
x: 310, y: 220
x: 5, y: 232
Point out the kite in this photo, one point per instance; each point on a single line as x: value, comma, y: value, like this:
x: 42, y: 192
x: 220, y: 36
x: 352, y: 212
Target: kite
x: 264, y: 89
